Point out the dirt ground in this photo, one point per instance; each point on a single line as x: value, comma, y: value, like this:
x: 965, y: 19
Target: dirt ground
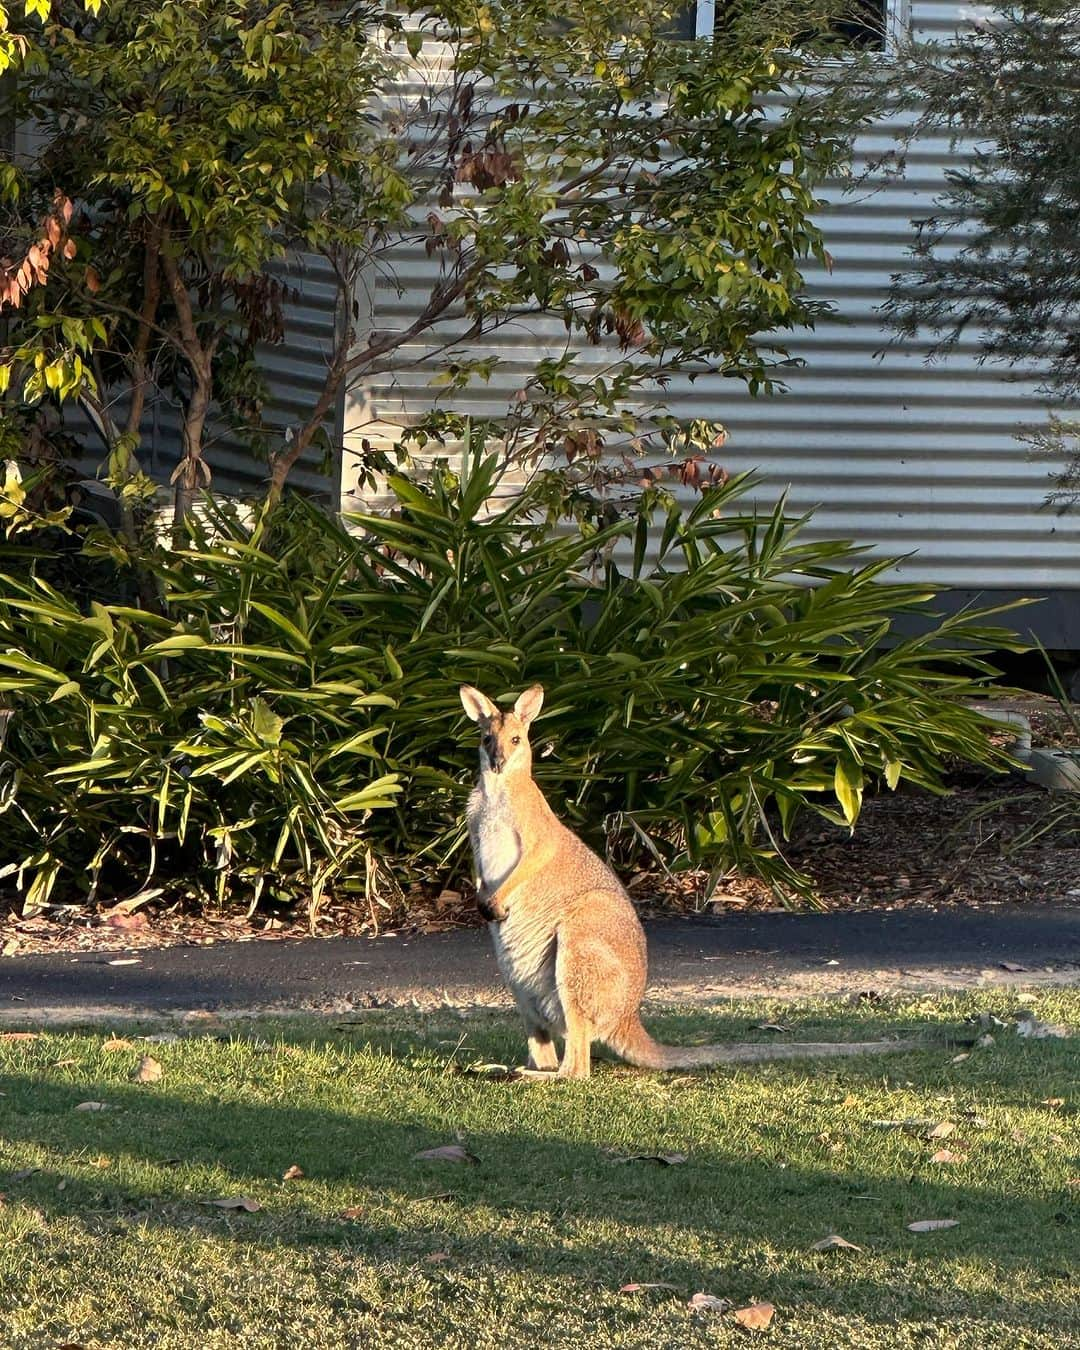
x: 993, y: 842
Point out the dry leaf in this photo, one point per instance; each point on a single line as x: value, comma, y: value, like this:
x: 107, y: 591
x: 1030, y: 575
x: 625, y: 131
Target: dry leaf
x: 665, y: 1159
x: 353, y: 1212
x: 148, y: 1070
x: 850, y: 1100
x: 447, y: 1153
x: 125, y: 921
x: 436, y: 1258
x: 19, y: 1035
x: 1014, y: 966
x: 756, y: 1317
x: 293, y: 1173
x: 102, y: 1162
x: 118, y: 1043
x: 708, y: 1303
x: 243, y: 1202
x: 127, y: 961
x: 943, y: 1155
x: 932, y: 1225
x: 834, y: 1242
x: 639, y: 1288
x: 941, y: 1130
x: 10, y: 947
x: 64, y: 1063
x: 92, y: 1106
x: 1053, y: 1101
x: 771, y: 1026
x: 959, y: 1059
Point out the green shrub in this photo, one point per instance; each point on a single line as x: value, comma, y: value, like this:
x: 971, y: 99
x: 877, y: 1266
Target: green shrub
x: 291, y: 721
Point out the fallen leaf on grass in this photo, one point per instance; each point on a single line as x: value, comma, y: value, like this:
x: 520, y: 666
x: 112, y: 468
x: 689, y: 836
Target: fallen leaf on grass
x: 1073, y: 1181
x: 353, y: 1212
x: 117, y: 1043
x: 19, y: 1035
x: 243, y: 1202
x: 92, y: 1106
x: 436, y: 1258
x: 665, y: 1159
x: 850, y: 1100
x: 756, y: 1317
x: 1052, y: 1101
x: 932, y: 1225
x: 293, y: 1173
x: 148, y: 1070
x: 708, y: 1303
x: 64, y: 1063
x: 447, y: 1153
x: 834, y: 1242
x: 640, y: 1288
x: 944, y: 1155
x: 771, y: 1026
x: 1029, y: 1026
x: 942, y: 1130
x: 959, y: 1059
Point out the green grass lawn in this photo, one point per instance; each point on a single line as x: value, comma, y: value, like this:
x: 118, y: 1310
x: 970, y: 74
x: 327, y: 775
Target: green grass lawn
x: 111, y: 1241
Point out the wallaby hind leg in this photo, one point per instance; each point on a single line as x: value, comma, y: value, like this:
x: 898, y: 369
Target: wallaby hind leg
x: 577, y: 1051
x: 542, y: 1052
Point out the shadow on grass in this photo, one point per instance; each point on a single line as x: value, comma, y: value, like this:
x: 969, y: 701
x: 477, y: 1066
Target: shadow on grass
x: 537, y: 1185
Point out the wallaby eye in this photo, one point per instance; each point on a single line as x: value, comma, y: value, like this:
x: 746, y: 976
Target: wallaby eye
x: 515, y: 740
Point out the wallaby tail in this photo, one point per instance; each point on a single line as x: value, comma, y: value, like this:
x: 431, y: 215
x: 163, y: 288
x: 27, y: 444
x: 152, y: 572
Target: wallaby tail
x: 637, y: 1047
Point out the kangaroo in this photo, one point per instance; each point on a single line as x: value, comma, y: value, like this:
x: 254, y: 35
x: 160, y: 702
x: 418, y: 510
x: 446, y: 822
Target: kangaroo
x: 567, y: 939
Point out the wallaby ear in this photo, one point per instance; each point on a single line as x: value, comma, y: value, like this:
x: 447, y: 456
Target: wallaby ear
x: 477, y: 705
x: 530, y: 703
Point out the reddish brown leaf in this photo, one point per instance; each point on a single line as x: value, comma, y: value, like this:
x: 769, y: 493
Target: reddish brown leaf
x: 353, y: 1212
x: 19, y: 1035
x: 125, y: 921
x: 755, y: 1317
x: 944, y: 1155
x: 117, y: 1043
x: 93, y: 281
x: 148, y: 1070
x: 941, y: 1130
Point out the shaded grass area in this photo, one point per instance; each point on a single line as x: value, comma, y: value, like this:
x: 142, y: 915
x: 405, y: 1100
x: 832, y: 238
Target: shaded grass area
x: 111, y: 1243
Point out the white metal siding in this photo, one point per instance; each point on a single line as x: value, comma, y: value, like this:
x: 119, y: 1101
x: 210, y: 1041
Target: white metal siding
x: 910, y: 458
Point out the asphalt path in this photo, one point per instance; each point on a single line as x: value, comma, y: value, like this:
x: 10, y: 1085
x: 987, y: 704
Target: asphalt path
x: 689, y: 958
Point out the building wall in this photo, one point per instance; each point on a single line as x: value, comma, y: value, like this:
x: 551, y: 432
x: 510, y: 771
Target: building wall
x: 913, y: 459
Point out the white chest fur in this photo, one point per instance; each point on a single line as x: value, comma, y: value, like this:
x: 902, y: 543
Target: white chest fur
x: 496, y: 843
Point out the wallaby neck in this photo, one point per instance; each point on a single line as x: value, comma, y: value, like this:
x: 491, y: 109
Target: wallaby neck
x: 517, y: 782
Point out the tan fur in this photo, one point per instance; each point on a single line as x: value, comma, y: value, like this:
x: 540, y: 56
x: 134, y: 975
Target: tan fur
x: 567, y: 939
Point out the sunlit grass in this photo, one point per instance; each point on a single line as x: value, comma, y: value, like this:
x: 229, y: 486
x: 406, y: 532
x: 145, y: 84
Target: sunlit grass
x: 111, y: 1242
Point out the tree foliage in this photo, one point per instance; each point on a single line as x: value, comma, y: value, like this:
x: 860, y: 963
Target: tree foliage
x: 554, y: 157
x: 1000, y: 259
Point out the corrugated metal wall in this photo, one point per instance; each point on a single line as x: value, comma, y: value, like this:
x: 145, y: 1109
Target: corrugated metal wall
x: 907, y: 457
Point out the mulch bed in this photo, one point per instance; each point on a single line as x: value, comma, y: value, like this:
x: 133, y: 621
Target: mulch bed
x: 993, y: 841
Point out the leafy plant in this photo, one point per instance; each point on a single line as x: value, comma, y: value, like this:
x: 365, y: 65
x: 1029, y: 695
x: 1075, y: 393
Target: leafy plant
x: 292, y: 720
x: 216, y: 742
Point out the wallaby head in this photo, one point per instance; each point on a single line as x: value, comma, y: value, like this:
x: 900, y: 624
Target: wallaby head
x: 504, y: 736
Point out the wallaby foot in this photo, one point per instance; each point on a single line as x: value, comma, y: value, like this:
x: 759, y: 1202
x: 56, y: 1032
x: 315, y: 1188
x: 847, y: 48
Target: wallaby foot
x: 542, y: 1052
